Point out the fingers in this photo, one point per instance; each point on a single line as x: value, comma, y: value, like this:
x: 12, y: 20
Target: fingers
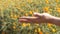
x: 26, y: 19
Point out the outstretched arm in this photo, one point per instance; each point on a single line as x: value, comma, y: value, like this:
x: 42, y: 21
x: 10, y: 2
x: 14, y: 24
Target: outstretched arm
x: 41, y: 18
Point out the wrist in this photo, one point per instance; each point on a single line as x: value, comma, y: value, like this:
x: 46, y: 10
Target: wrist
x: 50, y: 20
x: 53, y: 20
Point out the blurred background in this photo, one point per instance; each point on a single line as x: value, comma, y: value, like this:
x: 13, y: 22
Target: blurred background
x: 11, y: 10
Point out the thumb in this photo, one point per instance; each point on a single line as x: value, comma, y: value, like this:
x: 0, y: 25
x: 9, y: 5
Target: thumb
x: 37, y: 14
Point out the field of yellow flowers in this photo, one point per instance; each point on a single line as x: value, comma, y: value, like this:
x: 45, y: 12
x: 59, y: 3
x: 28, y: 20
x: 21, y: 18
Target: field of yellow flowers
x: 11, y: 10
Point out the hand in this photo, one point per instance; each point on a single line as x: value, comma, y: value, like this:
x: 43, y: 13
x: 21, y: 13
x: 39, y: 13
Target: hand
x: 38, y: 18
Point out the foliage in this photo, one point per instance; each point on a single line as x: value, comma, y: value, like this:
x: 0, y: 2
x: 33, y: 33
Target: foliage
x: 11, y: 10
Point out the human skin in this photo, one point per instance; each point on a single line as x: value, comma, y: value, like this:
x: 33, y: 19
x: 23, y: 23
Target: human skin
x: 41, y: 18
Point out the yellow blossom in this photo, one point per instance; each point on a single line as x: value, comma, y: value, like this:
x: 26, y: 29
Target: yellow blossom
x: 37, y: 24
x: 24, y: 24
x: 53, y: 30
x: 28, y: 24
x: 49, y: 25
x: 30, y: 12
x: 49, y: 12
x: 11, y: 15
x: 14, y: 27
x: 29, y: 1
x: 57, y: 0
x: 15, y: 16
x: 58, y: 9
x: 39, y: 29
x: 36, y: 30
x: 47, y: 1
x: 46, y: 9
x: 26, y: 14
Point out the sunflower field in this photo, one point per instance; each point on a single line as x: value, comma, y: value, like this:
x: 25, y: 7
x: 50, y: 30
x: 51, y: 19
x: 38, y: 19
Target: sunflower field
x: 12, y: 10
